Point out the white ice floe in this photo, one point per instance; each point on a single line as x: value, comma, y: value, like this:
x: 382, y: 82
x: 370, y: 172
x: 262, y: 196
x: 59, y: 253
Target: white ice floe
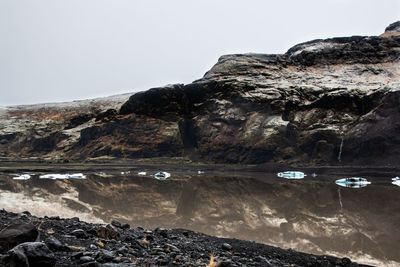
x: 77, y: 176
x: 396, y: 179
x: 353, y: 182
x: 162, y: 175
x: 63, y: 176
x: 396, y: 182
x: 142, y: 173
x: 200, y: 172
x: 291, y: 175
x: 22, y: 177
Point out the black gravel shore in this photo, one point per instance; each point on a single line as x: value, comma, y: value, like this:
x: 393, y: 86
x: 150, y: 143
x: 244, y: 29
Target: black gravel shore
x: 26, y: 240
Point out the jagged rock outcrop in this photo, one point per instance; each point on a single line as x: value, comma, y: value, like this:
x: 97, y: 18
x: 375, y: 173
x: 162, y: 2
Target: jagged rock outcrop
x: 392, y: 29
x: 323, y: 102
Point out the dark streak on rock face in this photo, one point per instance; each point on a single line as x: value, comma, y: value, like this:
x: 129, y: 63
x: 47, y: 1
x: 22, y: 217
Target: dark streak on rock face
x: 167, y: 103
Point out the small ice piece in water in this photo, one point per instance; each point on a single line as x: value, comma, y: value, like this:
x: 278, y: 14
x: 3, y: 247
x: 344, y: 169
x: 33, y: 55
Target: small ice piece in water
x: 54, y: 176
x: 142, y: 173
x: 162, y: 175
x: 314, y: 174
x: 77, y: 176
x: 291, y: 175
x: 200, y: 172
x: 353, y: 182
x: 127, y: 172
x: 396, y: 182
x: 22, y: 177
x: 63, y: 176
x: 396, y: 179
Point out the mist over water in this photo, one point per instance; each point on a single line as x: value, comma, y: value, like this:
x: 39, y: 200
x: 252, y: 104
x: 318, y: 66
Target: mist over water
x: 312, y: 215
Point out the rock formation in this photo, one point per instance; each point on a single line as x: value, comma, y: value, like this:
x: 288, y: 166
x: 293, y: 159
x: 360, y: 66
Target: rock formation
x: 302, y: 107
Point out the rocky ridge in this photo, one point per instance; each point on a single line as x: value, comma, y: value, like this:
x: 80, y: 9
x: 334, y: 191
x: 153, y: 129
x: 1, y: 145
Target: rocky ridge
x: 323, y: 102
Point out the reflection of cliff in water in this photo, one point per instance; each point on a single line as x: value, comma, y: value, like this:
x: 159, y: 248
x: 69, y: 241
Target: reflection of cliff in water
x: 305, y: 216
x: 308, y: 215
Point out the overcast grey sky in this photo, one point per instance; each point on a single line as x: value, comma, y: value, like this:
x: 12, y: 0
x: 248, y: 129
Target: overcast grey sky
x: 53, y: 51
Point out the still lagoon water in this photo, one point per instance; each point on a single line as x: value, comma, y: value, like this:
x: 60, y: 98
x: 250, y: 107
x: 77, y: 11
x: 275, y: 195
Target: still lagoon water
x: 312, y: 215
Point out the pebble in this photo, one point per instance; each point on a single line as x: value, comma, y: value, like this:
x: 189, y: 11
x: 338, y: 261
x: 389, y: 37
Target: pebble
x: 79, y: 233
x: 116, y: 223
x: 226, y: 246
x: 85, y: 259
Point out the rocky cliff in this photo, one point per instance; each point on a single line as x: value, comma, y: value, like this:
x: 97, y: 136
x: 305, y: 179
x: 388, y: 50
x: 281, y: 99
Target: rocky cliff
x: 323, y: 102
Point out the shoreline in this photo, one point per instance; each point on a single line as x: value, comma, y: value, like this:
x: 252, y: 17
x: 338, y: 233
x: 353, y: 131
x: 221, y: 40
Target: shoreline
x: 12, y: 165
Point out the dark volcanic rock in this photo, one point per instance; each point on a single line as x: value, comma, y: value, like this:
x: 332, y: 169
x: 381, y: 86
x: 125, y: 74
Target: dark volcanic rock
x: 168, y: 103
x: 116, y: 223
x: 55, y: 245
x: 392, y: 29
x: 107, y: 232
x: 180, y: 248
x: 78, y: 120
x: 346, y: 50
x: 16, y: 234
x: 32, y: 254
x: 78, y: 233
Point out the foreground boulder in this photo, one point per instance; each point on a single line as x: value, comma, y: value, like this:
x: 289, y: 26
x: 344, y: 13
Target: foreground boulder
x: 16, y: 234
x: 30, y: 254
x: 107, y: 232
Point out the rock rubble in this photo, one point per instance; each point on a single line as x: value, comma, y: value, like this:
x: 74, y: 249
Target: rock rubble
x: 58, y: 244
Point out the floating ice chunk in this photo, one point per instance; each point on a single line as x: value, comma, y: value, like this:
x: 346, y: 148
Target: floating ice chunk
x: 63, y: 176
x: 396, y: 182
x: 77, y: 176
x: 54, y: 176
x: 353, y: 182
x: 127, y: 172
x: 162, y: 175
x: 200, y: 172
x: 396, y: 179
x: 22, y: 177
x: 291, y: 175
x: 142, y: 173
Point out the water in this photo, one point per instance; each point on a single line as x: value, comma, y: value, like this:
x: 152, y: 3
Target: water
x: 312, y: 215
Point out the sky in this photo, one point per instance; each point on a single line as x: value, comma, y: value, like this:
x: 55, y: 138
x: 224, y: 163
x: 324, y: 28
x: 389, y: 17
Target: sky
x: 54, y: 51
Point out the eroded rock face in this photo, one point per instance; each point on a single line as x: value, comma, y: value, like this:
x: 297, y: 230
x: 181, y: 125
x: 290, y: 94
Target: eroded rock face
x: 50, y: 130
x: 300, y: 107
x: 392, y: 29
